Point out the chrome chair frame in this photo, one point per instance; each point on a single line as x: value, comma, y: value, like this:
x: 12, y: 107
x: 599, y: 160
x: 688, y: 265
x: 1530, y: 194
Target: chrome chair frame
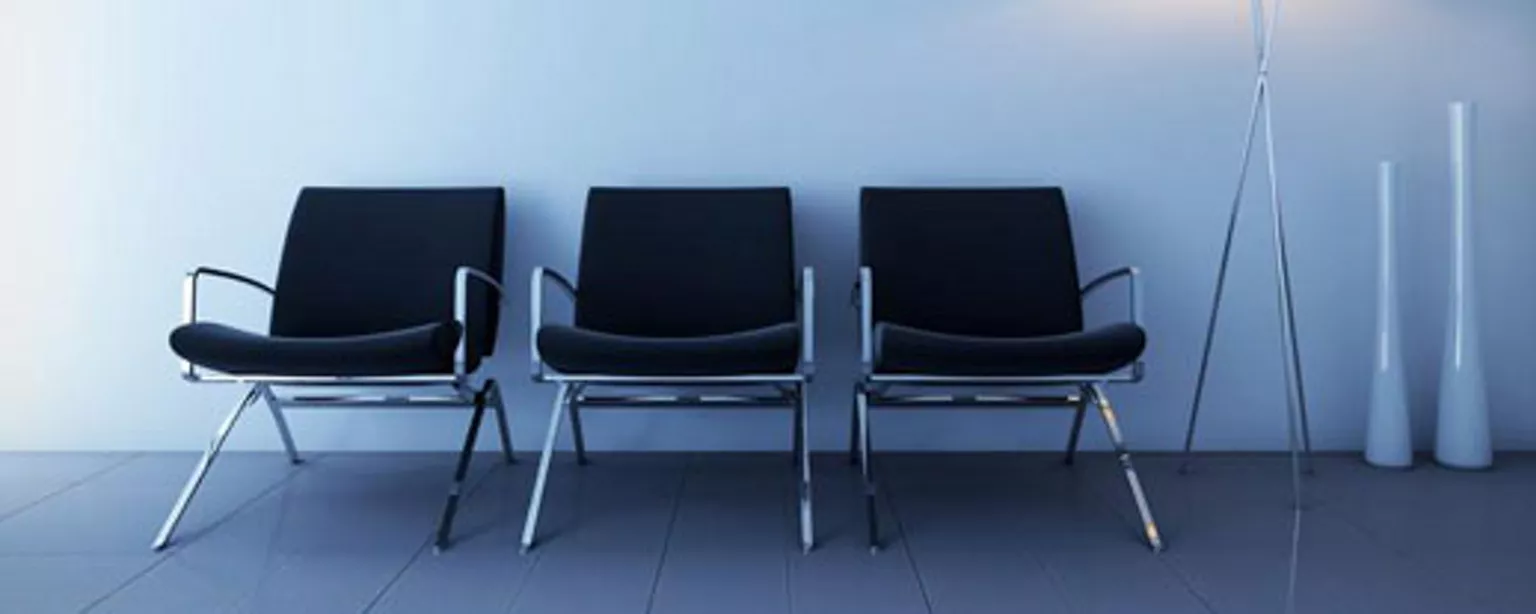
x: 788, y: 389
x: 460, y: 392
x: 875, y: 389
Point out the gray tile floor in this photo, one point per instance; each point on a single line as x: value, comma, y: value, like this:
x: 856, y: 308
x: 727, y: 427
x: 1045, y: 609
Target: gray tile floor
x: 971, y: 533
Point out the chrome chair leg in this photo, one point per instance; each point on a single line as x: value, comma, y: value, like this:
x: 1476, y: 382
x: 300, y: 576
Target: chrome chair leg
x: 456, y: 489
x: 190, y: 490
x: 861, y: 403
x: 853, y: 430
x: 1077, y: 430
x: 799, y: 420
x: 803, y: 452
x: 1112, y: 425
x: 578, y: 437
x: 503, y: 427
x: 276, y: 407
x: 531, y: 523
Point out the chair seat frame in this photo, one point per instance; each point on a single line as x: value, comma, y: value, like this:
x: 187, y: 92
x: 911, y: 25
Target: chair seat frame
x: 414, y: 391
x: 576, y: 392
x: 914, y: 391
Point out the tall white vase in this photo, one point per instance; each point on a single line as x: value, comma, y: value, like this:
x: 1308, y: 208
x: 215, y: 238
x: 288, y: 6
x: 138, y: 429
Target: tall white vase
x: 1388, y: 439
x: 1463, y: 439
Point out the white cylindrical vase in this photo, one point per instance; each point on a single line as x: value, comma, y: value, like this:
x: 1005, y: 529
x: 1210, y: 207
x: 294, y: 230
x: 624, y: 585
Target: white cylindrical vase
x: 1388, y: 438
x: 1463, y: 439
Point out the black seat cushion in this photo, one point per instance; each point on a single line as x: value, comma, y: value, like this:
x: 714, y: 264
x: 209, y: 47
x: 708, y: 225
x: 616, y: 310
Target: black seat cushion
x: 903, y: 349
x: 771, y: 349
x: 418, y: 350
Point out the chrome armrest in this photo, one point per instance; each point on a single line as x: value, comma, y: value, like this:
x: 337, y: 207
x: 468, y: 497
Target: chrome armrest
x: 1134, y: 274
x: 864, y: 299
x: 808, y: 322
x: 189, y: 287
x: 461, y: 279
x: 536, y: 311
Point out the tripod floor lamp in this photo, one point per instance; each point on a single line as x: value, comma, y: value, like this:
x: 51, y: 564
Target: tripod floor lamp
x: 1298, y: 431
x: 1261, y: 123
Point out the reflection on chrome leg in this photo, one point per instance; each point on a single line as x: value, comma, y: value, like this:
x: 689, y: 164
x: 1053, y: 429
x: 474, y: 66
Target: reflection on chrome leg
x: 802, y: 438
x: 1112, y: 425
x: 531, y: 523
x: 456, y: 489
x: 861, y: 397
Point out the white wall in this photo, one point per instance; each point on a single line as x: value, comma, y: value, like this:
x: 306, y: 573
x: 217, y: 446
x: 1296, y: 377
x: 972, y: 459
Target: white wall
x: 140, y: 138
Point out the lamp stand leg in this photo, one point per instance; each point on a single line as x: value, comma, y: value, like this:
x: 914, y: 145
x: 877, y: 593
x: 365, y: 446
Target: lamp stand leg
x: 1260, y: 109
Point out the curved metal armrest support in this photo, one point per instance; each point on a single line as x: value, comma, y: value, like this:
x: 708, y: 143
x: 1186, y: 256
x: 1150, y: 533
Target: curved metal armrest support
x: 536, y: 311
x: 1130, y: 272
x: 189, y: 288
x: 863, y: 301
x: 461, y: 279
x: 808, y: 322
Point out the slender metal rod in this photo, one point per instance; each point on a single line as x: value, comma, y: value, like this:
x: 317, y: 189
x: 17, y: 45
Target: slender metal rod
x: 578, y: 437
x: 673, y: 400
x: 390, y: 381
x: 275, y: 406
x: 460, y: 471
x: 1112, y: 425
x: 1264, y: 28
x: 193, y: 483
x: 1221, y: 275
x: 1295, y: 394
x: 802, y: 441
x: 1077, y: 429
x: 799, y: 419
x: 973, y: 401
x: 503, y: 426
x: 375, y: 402
x: 531, y: 523
x: 1293, y: 391
x: 853, y: 429
x: 872, y: 520
x: 1292, y: 347
x: 671, y: 380
x: 1283, y: 260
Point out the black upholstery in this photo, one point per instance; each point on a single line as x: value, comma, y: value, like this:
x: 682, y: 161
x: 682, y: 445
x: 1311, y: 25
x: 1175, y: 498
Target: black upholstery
x: 366, y: 286
x: 773, y: 349
x: 682, y: 281
x: 686, y: 262
x: 984, y: 262
x: 981, y: 282
x: 902, y: 349
x: 423, y: 349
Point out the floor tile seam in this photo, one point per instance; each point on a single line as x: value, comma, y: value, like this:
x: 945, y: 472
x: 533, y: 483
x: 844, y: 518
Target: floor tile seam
x: 677, y: 501
x: 888, y: 495
x: 175, y: 552
x: 378, y: 595
x: 73, y: 484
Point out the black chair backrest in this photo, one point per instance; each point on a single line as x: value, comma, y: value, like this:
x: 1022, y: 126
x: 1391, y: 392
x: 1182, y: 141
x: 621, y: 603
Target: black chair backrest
x: 360, y: 261
x: 686, y: 262
x: 989, y: 262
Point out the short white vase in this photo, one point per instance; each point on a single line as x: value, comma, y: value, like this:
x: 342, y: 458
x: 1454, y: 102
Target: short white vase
x: 1389, y: 438
x: 1463, y: 439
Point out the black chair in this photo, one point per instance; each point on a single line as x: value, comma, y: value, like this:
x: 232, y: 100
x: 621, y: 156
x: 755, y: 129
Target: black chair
x: 966, y: 288
x: 680, y: 288
x: 374, y: 306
